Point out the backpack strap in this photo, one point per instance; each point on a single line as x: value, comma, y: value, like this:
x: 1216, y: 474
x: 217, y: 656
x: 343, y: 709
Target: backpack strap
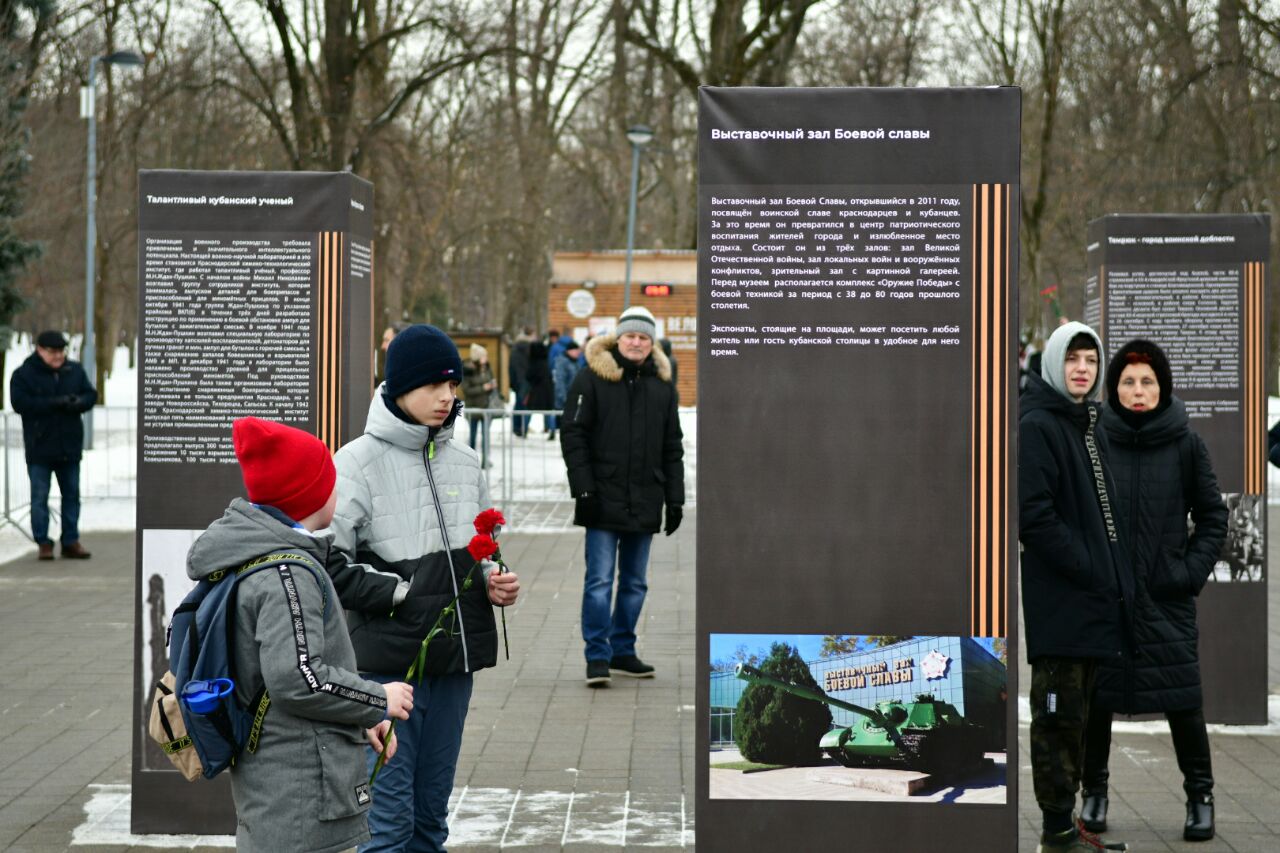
x: 279, y: 558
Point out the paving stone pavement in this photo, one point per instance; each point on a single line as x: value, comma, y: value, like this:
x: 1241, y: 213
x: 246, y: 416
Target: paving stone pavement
x: 547, y: 764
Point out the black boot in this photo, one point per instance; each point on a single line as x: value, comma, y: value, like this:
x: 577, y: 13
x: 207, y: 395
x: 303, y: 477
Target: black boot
x: 1191, y: 744
x: 1093, y: 813
x: 1199, y: 826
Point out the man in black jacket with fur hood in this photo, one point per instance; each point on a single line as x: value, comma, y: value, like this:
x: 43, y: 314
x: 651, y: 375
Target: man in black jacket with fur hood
x: 1076, y: 581
x: 621, y: 440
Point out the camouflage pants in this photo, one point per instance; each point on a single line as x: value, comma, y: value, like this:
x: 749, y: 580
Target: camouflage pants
x: 1060, y: 692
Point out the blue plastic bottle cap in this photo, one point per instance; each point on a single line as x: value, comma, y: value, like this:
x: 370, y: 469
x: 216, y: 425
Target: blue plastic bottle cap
x: 202, y: 697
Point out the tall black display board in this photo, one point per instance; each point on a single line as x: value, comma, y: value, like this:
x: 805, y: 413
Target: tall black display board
x: 1195, y: 285
x: 255, y: 298
x: 857, y: 259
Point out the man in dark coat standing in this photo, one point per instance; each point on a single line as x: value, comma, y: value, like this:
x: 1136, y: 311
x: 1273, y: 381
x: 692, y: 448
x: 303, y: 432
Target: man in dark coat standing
x: 621, y: 440
x: 51, y: 393
x: 1076, y: 581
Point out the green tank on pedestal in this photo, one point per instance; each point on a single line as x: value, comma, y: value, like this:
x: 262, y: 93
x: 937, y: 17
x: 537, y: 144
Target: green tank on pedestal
x: 927, y: 734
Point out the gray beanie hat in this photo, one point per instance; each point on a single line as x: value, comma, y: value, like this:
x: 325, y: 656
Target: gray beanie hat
x: 637, y: 319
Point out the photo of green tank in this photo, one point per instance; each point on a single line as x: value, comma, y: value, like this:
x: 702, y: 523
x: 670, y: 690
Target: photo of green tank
x: 926, y: 734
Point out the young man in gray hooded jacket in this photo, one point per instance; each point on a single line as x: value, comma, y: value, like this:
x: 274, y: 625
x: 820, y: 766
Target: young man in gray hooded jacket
x: 409, y: 496
x: 1076, y: 579
x: 305, y: 786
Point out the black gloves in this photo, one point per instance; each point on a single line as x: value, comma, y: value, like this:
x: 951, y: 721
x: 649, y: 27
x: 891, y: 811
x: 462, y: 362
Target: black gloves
x: 675, y: 515
x: 67, y: 403
x: 586, y: 511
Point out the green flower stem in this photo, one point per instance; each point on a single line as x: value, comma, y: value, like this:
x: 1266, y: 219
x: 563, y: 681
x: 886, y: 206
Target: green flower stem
x: 502, y: 567
x: 420, y: 663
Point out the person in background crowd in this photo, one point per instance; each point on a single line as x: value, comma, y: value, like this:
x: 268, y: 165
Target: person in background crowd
x: 1162, y: 472
x: 408, y: 495
x: 675, y: 367
x: 624, y: 452
x: 479, y: 391
x: 542, y: 392
x: 518, y: 378
x: 555, y: 346
x: 564, y: 368
x: 388, y: 335
x: 51, y: 392
x: 1077, y: 585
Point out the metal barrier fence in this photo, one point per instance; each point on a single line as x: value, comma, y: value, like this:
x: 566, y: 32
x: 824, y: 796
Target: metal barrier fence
x: 523, y: 468
x: 109, y: 470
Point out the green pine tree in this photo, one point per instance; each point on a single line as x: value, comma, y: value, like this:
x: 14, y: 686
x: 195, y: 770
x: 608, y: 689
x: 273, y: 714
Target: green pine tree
x: 774, y: 727
x: 23, y: 24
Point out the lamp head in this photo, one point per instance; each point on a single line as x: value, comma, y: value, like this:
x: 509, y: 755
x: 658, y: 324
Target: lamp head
x: 639, y: 135
x: 122, y: 57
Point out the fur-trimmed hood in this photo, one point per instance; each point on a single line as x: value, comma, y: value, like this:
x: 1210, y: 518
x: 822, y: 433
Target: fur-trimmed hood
x: 600, y: 359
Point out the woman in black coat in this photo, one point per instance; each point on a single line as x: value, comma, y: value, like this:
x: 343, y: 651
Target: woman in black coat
x: 1162, y: 472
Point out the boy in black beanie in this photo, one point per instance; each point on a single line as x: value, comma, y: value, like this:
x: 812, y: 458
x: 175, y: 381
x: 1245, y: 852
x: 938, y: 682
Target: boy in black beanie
x: 408, y: 495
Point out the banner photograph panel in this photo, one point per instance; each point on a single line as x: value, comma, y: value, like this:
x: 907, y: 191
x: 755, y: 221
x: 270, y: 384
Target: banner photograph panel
x: 857, y: 253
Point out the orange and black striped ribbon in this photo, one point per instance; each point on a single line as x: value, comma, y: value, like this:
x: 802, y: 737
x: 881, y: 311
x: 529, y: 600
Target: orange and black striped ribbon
x: 1255, y: 448
x: 330, y: 274
x: 990, y: 471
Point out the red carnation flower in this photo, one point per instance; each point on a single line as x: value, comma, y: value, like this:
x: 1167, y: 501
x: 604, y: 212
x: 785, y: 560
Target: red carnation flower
x: 488, y: 521
x: 482, y: 547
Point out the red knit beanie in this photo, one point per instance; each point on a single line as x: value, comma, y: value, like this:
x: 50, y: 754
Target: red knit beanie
x: 283, y: 467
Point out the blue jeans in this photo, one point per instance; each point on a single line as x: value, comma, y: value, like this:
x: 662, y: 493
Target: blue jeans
x: 480, y: 424
x: 411, y: 796
x: 68, y: 474
x: 613, y: 634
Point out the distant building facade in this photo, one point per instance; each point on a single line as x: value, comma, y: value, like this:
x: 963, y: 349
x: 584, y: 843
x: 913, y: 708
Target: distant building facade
x: 587, y: 294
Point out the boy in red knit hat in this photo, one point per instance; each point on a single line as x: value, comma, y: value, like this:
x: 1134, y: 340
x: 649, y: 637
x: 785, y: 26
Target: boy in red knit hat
x: 305, y: 786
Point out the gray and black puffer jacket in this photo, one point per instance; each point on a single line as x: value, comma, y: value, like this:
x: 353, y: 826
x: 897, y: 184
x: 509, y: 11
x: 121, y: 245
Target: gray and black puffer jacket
x: 305, y: 787
x: 408, y: 496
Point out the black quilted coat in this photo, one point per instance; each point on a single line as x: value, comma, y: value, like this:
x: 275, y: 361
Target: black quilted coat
x: 1076, y: 579
x: 1162, y: 472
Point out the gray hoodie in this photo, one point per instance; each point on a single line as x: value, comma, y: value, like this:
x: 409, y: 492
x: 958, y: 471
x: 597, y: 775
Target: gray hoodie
x: 1053, y: 362
x: 305, y: 788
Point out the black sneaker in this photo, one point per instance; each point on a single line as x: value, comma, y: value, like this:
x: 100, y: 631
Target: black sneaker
x: 597, y: 673
x: 632, y: 666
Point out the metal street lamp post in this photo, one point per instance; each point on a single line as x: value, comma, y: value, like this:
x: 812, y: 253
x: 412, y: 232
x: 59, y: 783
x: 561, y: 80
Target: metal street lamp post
x: 87, y: 110
x: 639, y: 136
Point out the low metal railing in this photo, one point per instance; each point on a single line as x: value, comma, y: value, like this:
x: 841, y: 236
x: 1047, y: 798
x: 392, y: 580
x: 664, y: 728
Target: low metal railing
x: 108, y: 471
x: 523, y: 459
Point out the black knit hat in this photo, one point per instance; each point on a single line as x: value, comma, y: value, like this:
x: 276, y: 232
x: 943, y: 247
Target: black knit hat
x: 421, y: 355
x: 1140, y: 351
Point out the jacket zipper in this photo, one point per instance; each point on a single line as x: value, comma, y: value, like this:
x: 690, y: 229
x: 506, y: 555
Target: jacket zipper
x: 429, y: 453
